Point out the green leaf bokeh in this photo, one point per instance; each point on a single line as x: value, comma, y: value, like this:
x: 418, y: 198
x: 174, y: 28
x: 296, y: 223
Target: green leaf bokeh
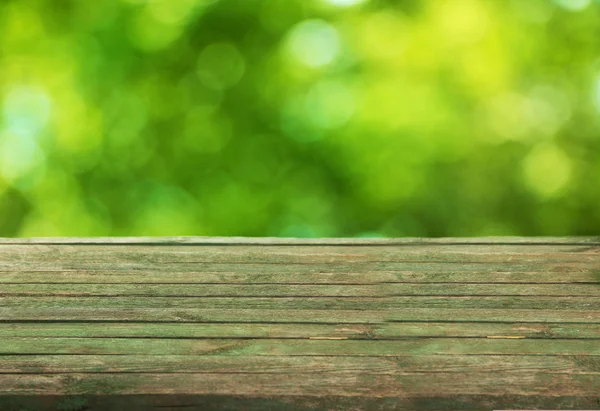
x: 299, y: 117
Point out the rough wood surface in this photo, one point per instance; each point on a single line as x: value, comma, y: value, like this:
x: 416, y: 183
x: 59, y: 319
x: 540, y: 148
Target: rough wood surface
x: 262, y: 323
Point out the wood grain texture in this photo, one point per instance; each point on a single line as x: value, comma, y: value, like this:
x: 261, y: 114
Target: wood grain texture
x: 305, y: 347
x: 295, y: 290
x: 424, y: 324
x: 282, y: 274
x: 322, y: 384
x: 406, y: 364
x: 381, y: 331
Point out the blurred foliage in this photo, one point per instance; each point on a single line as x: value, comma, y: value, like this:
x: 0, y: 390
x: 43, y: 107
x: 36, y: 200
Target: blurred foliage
x: 299, y: 117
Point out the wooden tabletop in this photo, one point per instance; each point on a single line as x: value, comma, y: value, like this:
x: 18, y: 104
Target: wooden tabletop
x: 257, y: 324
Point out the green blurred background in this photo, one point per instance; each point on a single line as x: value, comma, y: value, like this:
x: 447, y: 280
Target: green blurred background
x: 299, y: 117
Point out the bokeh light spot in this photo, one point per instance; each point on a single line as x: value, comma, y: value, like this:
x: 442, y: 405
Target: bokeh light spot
x: 21, y: 23
x: 573, y: 5
x: 505, y: 116
x: 462, y: 21
x: 26, y: 110
x: 329, y: 104
x: 172, y: 11
x: 19, y: 156
x: 220, y: 65
x: 151, y: 34
x: 546, y: 109
x: 535, y: 11
x: 79, y: 128
x: 344, y: 3
x: 547, y: 171
x: 383, y: 37
x: 314, y: 43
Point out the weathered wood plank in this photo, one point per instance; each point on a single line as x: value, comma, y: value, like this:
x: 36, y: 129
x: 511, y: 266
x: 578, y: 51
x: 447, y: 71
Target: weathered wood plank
x: 208, y: 315
x: 285, y: 347
x: 299, y: 290
x: 203, y: 315
x: 275, y: 274
x: 490, y: 254
x: 261, y: 268
x: 307, y: 303
x: 211, y: 402
x: 299, y: 331
x: 55, y: 364
x: 322, y: 384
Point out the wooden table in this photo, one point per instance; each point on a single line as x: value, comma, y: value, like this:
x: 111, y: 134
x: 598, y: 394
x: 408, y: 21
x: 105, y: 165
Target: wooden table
x: 268, y: 324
